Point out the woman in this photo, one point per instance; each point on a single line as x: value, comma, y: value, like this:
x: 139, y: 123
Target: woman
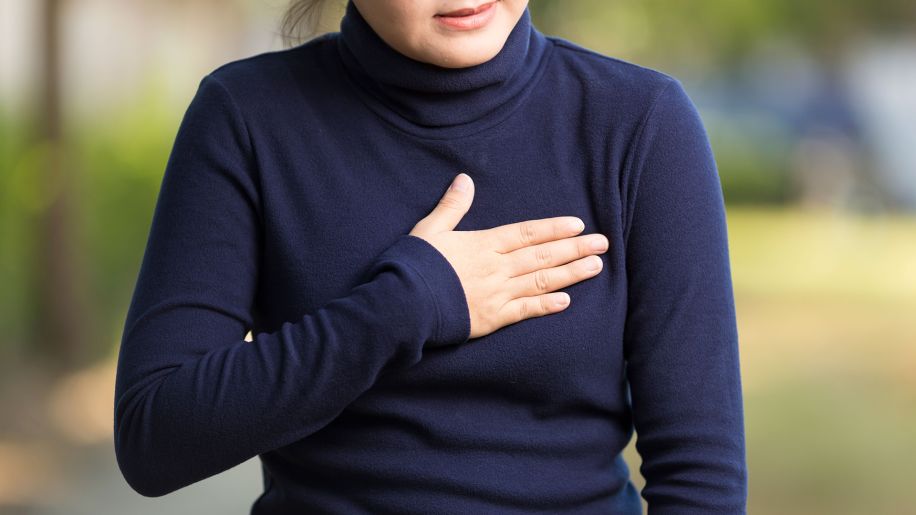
x: 407, y: 352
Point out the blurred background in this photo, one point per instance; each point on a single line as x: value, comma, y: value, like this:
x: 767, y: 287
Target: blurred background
x: 811, y: 109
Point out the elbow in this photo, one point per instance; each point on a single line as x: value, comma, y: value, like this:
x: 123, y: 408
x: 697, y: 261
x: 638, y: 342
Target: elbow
x: 135, y: 452
x: 136, y: 464
x: 141, y: 482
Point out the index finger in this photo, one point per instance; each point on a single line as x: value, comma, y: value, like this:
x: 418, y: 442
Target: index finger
x: 517, y: 235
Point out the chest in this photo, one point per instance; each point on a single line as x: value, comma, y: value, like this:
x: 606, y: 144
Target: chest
x: 333, y: 203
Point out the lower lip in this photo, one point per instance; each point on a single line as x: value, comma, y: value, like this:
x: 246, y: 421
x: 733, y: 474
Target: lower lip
x: 474, y: 21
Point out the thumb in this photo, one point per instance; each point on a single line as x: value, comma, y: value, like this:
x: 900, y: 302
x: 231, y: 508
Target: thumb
x: 451, y: 208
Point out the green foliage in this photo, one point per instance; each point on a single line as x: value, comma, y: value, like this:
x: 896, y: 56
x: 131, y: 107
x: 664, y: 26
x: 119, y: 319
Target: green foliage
x: 16, y: 220
x: 121, y: 159
x: 664, y: 33
x: 115, y: 163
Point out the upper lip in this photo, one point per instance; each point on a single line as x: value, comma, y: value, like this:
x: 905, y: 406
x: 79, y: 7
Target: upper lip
x: 466, y: 11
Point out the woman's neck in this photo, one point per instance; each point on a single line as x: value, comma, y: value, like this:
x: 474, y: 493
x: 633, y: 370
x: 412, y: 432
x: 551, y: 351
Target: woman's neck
x: 430, y: 96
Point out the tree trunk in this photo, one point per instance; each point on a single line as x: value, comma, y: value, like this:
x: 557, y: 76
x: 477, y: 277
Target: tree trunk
x: 60, y: 322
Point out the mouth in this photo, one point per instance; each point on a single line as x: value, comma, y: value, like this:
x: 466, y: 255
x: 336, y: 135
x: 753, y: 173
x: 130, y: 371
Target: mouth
x: 468, y: 18
x: 468, y: 11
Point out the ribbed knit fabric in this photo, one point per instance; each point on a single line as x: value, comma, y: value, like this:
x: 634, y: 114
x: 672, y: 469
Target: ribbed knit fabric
x: 284, y: 209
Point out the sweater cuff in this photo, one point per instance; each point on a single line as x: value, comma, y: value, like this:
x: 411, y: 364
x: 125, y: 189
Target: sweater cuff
x: 453, y: 315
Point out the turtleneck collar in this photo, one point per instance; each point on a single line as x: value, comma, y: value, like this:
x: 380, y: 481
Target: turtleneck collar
x: 434, y: 101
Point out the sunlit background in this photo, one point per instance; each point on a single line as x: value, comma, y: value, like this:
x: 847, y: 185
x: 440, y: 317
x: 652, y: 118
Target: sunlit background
x: 811, y: 110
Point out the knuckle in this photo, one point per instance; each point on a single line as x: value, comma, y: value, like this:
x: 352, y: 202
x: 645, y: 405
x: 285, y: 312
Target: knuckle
x: 478, y: 240
x: 559, y: 230
x: 524, y: 309
x: 489, y: 269
x: 541, y: 280
x: 450, y: 202
x: 542, y: 304
x: 542, y: 254
x: 490, y: 240
x: 582, y: 248
x: 501, y: 267
x: 527, y: 232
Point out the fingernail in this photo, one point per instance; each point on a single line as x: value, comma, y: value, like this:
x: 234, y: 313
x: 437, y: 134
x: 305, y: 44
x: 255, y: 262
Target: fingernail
x: 460, y: 183
x: 561, y: 300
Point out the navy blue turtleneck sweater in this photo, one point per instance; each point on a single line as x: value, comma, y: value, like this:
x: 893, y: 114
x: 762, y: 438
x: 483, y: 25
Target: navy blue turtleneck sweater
x: 284, y: 209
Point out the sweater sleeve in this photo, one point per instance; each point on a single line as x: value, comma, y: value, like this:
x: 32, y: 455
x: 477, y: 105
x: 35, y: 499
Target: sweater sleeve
x: 681, y: 338
x: 193, y: 398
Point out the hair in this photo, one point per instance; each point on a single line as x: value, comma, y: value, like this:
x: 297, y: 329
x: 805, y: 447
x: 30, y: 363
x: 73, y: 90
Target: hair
x: 301, y: 21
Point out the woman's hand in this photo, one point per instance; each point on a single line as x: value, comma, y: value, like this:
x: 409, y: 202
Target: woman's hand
x: 508, y: 271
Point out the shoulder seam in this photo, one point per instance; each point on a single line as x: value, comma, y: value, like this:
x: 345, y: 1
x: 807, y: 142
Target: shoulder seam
x: 235, y: 107
x: 275, y: 53
x: 568, y: 45
x: 252, y: 156
x: 632, y: 152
